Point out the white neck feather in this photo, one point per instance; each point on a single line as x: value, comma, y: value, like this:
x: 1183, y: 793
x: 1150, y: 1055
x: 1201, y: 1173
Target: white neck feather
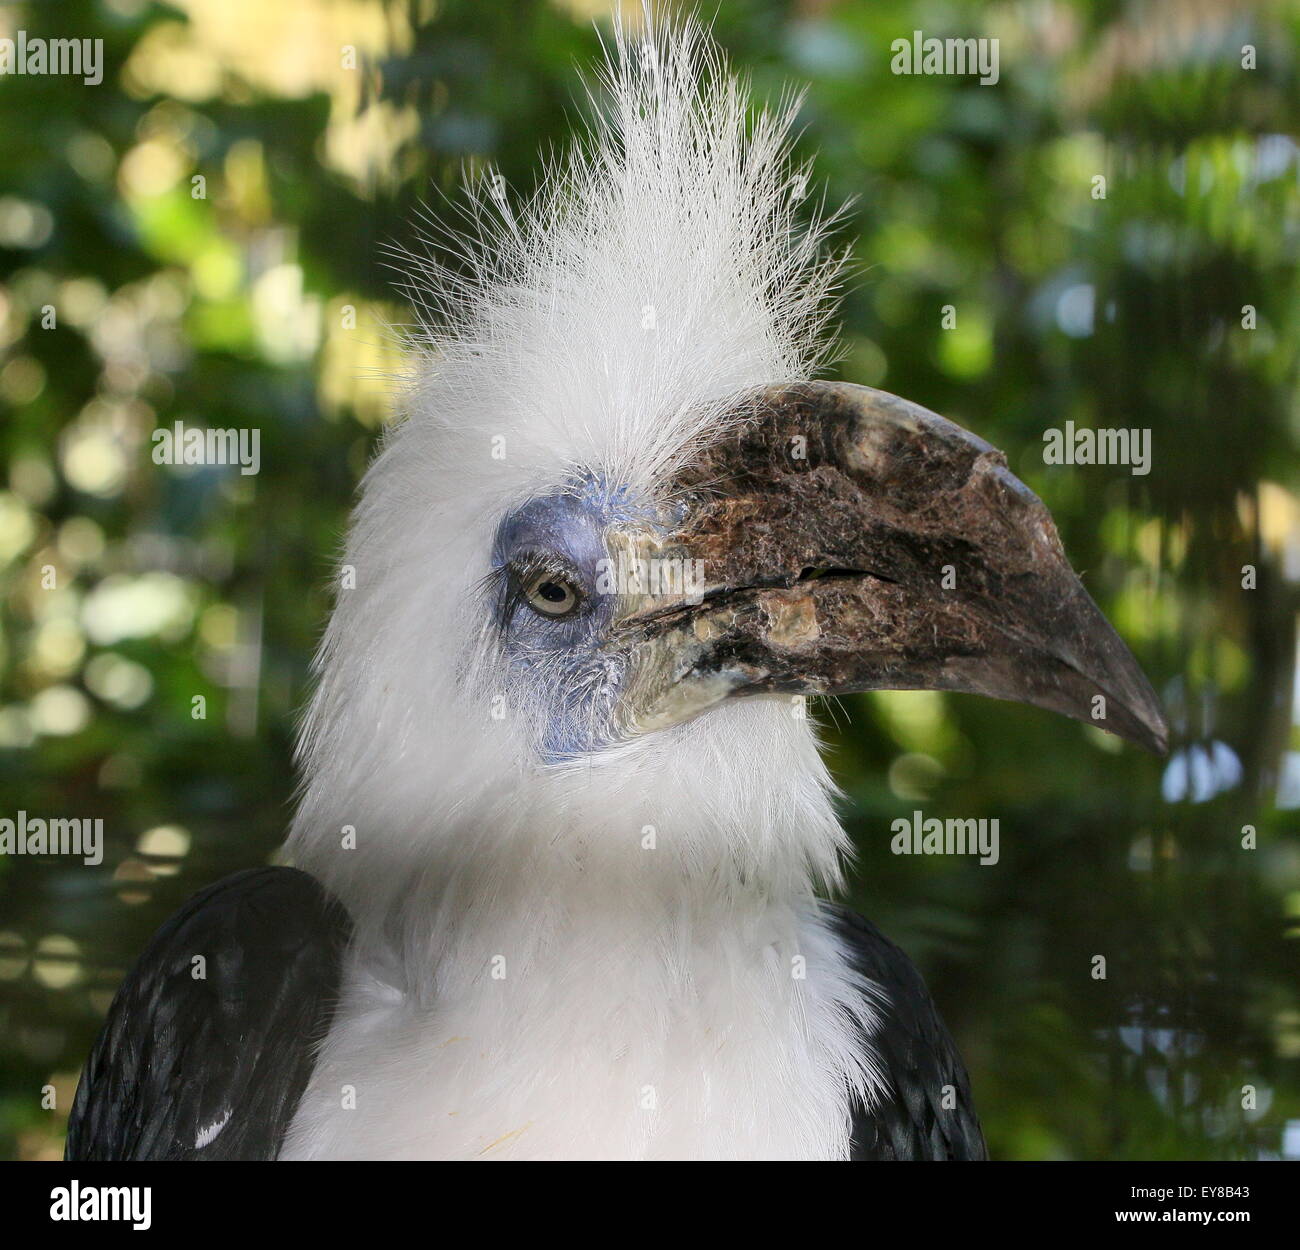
x: 608, y: 975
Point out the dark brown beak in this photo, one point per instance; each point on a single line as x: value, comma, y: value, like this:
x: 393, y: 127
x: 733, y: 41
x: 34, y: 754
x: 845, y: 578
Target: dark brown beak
x: 850, y: 540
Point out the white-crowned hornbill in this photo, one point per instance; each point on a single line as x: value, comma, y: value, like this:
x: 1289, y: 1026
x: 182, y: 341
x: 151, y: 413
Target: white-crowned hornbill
x: 557, y: 883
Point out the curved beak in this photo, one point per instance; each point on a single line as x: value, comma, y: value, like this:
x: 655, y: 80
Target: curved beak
x: 841, y: 539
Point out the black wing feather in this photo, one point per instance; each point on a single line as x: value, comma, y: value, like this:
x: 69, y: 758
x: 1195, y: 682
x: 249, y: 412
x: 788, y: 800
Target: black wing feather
x: 178, y: 1055
x: 919, y: 1059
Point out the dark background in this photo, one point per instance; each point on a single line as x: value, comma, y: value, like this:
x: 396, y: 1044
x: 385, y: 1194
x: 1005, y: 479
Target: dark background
x: 230, y: 310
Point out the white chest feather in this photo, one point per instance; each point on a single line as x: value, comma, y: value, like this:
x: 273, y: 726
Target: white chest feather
x: 633, y: 1035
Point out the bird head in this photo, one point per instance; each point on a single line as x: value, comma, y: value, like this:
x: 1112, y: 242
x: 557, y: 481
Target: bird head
x: 621, y: 527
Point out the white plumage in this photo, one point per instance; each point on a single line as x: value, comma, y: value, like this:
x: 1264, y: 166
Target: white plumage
x: 620, y: 955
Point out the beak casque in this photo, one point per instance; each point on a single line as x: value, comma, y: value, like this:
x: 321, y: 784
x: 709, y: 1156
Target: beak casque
x: 850, y: 540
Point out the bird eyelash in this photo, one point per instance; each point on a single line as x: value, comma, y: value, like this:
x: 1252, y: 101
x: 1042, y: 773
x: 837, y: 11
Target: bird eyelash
x: 507, y: 584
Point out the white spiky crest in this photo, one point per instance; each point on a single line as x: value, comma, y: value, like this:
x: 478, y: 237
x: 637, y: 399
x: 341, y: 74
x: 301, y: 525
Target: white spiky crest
x: 659, y: 270
x: 606, y: 327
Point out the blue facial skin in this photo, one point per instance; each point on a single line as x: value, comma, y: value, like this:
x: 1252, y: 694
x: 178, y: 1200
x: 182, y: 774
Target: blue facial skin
x: 559, y: 661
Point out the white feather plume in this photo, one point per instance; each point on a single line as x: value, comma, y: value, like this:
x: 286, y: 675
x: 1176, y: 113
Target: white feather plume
x: 660, y: 269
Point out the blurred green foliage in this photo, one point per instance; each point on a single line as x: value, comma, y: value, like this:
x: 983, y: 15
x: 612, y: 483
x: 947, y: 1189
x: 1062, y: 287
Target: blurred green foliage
x: 133, y: 296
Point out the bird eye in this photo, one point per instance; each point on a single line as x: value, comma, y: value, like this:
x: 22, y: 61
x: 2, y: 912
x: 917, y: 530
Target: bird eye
x: 549, y: 595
